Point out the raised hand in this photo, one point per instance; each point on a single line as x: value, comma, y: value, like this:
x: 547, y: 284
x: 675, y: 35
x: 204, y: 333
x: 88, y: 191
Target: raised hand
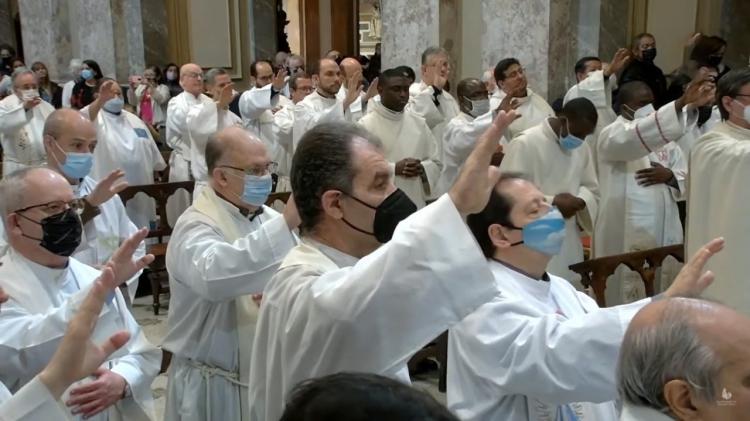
x: 109, y: 186
x: 372, y: 90
x: 279, y: 80
x: 31, y: 103
x: 508, y: 103
x: 353, y: 89
x: 77, y: 357
x: 472, y: 189
x: 223, y: 96
x: 568, y: 204
x: 692, y: 280
x: 621, y: 58
x: 699, y: 92
x: 122, y: 264
x: 106, y: 92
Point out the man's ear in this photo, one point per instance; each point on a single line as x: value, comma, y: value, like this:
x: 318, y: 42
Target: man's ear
x: 679, y: 397
x: 331, y: 203
x: 498, y: 236
x: 11, y: 225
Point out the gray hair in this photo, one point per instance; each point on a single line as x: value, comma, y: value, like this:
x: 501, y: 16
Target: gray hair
x: 20, y: 72
x: 12, y: 188
x: 670, y: 349
x: 433, y: 51
x: 211, y: 74
x: 730, y: 85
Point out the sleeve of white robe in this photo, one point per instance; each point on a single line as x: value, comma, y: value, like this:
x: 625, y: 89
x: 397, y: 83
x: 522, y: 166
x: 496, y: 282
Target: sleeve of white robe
x: 421, y: 102
x: 160, y: 94
x: 678, y: 165
x: 589, y: 192
x: 283, y: 123
x: 554, y: 359
x: 306, y: 117
x: 596, y: 88
x: 13, y: 119
x: 639, y: 138
x: 141, y: 364
x: 432, y: 165
x: 67, y: 92
x: 255, y: 101
x: 176, y: 122
x: 30, y: 339
x: 127, y: 229
x: 32, y: 403
x: 221, y: 271
x: 202, y: 122
x: 430, y: 275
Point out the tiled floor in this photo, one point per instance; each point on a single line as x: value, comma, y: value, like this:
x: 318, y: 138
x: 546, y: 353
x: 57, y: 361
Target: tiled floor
x: 155, y: 328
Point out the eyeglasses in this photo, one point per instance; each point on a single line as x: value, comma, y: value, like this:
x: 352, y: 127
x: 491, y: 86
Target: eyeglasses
x: 57, y: 206
x: 194, y: 75
x: 260, y: 171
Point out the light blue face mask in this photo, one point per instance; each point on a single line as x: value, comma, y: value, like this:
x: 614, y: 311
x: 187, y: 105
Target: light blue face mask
x: 545, y: 235
x: 77, y: 165
x: 114, y: 105
x: 570, y: 142
x: 87, y: 74
x: 479, y: 106
x: 257, y: 189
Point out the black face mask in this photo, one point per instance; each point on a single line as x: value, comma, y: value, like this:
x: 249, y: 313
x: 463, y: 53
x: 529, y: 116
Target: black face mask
x: 61, y: 233
x: 714, y: 60
x: 394, y: 209
x: 649, y: 55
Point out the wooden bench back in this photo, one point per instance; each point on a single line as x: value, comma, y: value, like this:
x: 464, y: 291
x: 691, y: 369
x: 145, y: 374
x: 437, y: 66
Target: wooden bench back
x: 594, y: 272
x: 160, y: 192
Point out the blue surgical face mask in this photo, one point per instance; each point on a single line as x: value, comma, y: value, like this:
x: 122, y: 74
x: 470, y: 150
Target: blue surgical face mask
x: 77, y: 165
x: 257, y: 189
x: 114, y: 105
x: 570, y: 142
x: 87, y: 74
x: 545, y: 235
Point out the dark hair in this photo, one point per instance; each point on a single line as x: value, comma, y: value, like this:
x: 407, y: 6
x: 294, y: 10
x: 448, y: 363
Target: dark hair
x: 254, y: 66
x: 581, y: 64
x: 293, y: 80
x: 730, y: 85
x: 464, y: 85
x: 580, y: 109
x: 706, y: 46
x: 629, y: 90
x: 497, y: 211
x: 408, y: 71
x: 387, y: 74
x: 95, y: 67
x: 322, y: 162
x: 502, y: 66
x: 360, y: 397
x: 157, y: 73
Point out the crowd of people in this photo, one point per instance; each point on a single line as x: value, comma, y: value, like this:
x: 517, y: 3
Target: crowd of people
x: 412, y: 211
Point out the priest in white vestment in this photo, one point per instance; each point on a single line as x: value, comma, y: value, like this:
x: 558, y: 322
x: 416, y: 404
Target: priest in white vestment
x: 178, y: 108
x: 513, y: 91
x: 22, y: 116
x: 223, y: 249
x: 553, y: 156
x: 344, y: 301
x: 323, y: 105
x: 300, y: 86
x: 258, y: 107
x: 539, y: 349
x: 685, y: 359
x: 350, y: 68
x: 717, y: 199
x: 46, y: 289
x: 463, y: 131
x: 408, y: 144
x: 125, y: 143
x: 70, y: 139
x: 208, y: 119
x: 596, y: 83
x: 428, y: 98
x: 75, y: 358
x: 638, y: 209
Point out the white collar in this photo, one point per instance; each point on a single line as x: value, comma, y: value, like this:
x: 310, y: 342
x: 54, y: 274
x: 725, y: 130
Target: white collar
x: 632, y: 412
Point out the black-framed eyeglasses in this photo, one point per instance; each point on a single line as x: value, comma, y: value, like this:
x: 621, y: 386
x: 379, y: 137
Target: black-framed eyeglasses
x: 258, y: 171
x: 57, y: 206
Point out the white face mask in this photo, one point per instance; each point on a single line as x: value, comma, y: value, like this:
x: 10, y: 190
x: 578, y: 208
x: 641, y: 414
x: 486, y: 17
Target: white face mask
x: 478, y: 106
x: 746, y: 113
x: 644, y: 111
x: 29, y: 94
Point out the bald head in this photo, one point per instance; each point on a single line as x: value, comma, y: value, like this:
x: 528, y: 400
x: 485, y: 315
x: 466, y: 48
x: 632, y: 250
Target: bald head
x: 683, y: 345
x: 66, y: 121
x: 228, y: 142
x: 191, y: 78
x: 350, y: 66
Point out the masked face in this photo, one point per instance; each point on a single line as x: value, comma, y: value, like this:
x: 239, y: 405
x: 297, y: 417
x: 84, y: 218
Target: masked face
x: 61, y: 233
x: 394, y: 209
x: 544, y: 235
x: 77, y: 165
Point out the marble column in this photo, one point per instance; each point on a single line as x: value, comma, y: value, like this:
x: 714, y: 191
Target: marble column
x: 128, y: 37
x: 155, y: 34
x: 46, y: 35
x: 92, y: 33
x: 613, y: 28
x: 408, y: 28
x: 264, y: 29
x: 7, y: 33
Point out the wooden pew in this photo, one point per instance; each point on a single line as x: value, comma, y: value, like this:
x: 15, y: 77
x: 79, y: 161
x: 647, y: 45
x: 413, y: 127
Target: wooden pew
x: 160, y: 192
x: 594, y: 272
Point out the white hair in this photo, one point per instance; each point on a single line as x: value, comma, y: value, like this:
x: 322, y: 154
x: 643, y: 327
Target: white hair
x: 12, y: 188
x: 669, y: 349
x: 75, y: 65
x: 20, y: 71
